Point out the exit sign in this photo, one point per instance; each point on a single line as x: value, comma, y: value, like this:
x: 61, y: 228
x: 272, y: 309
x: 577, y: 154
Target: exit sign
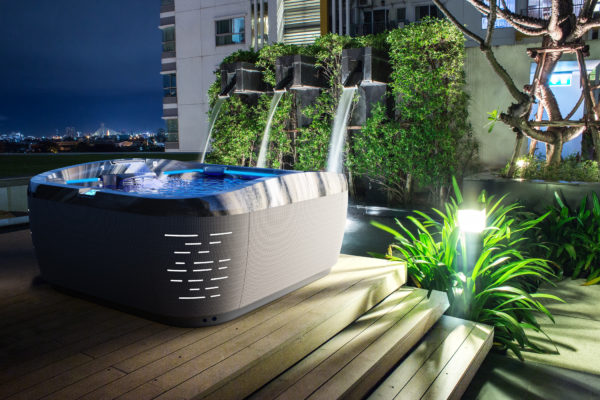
x: 561, y: 79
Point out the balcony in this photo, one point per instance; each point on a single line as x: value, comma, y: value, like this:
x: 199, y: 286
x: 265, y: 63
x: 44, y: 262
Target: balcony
x: 167, y: 6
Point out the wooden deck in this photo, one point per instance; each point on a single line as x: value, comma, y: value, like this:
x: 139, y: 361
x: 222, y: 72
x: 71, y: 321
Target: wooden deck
x: 353, y: 334
x: 56, y: 346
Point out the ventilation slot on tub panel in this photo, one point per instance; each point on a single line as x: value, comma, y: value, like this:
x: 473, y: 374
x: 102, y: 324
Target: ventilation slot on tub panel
x: 197, y: 275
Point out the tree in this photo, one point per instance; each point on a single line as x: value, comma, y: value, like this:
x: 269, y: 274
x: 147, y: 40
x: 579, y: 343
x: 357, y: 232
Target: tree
x: 562, y: 32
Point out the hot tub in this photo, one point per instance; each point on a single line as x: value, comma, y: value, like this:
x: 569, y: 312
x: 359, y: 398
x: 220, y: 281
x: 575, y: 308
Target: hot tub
x: 185, y: 243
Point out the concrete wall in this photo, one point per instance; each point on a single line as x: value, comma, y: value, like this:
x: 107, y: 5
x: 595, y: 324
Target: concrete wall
x: 13, y: 194
x: 489, y: 93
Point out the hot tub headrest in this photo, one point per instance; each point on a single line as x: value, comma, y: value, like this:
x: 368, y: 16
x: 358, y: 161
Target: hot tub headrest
x: 213, y: 170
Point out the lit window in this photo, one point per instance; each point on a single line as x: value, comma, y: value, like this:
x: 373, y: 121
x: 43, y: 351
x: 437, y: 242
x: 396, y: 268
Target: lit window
x: 230, y: 31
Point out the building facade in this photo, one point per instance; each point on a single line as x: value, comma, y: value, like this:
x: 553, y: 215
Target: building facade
x: 198, y: 34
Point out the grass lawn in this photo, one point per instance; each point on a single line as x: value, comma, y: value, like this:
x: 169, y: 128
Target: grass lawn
x: 16, y: 165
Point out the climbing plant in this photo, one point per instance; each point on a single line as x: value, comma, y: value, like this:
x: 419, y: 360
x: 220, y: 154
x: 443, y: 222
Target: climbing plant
x: 429, y: 140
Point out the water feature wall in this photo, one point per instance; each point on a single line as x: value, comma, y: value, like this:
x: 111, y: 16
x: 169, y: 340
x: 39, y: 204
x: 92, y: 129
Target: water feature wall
x: 242, y: 77
x: 264, y: 145
x: 299, y: 73
x: 370, y: 71
x: 214, y: 113
x: 338, y: 132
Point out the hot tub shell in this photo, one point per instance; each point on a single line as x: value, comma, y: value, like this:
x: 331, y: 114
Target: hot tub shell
x: 188, y: 261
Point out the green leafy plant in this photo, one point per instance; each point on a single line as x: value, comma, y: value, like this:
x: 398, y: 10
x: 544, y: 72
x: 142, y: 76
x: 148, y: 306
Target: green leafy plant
x: 498, y: 288
x: 574, y: 238
x: 570, y: 169
x: 428, y: 82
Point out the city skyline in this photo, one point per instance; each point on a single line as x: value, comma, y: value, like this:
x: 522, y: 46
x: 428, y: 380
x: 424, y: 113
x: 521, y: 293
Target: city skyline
x: 77, y: 64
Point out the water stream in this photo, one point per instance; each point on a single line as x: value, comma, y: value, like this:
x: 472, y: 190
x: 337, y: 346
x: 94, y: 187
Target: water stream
x: 264, y: 145
x: 338, y: 132
x: 211, y: 123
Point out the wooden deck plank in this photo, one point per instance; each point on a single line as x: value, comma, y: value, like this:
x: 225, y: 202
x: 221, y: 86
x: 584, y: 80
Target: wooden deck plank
x: 458, y: 373
x: 308, y: 374
x: 82, y: 387
x: 359, y: 376
x: 442, y: 364
x: 19, y: 370
x: 92, y: 374
x: 419, y: 356
x: 264, y: 359
x: 42, y: 374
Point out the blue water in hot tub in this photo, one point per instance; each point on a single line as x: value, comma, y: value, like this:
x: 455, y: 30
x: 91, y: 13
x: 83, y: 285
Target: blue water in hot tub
x: 176, y: 187
x: 171, y: 185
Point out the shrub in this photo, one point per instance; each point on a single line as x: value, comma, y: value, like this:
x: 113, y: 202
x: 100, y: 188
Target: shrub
x: 570, y: 169
x: 574, y: 238
x: 496, y: 290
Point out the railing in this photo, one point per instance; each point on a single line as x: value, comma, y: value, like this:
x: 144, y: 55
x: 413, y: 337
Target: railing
x: 546, y: 12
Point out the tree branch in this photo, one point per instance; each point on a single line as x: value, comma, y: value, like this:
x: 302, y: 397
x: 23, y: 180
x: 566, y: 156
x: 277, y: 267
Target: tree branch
x: 516, y: 20
x: 586, y: 10
x: 582, y: 28
x: 490, y: 25
x: 553, y: 29
x: 572, y: 132
x: 460, y: 26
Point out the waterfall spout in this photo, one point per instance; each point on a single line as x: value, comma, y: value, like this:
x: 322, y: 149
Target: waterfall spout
x: 211, y: 123
x: 264, y: 145
x: 338, y: 133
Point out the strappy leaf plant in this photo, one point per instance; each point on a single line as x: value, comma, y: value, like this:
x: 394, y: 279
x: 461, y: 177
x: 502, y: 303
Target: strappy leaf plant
x: 574, y: 237
x: 498, y: 288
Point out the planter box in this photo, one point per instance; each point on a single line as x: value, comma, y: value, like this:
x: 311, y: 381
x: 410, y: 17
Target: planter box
x: 535, y: 195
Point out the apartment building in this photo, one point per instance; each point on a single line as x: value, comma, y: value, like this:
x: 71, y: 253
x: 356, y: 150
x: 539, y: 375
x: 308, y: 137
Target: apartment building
x: 198, y: 34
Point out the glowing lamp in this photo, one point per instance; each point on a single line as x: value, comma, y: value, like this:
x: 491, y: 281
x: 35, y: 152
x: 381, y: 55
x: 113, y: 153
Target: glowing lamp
x: 521, y: 163
x: 472, y: 221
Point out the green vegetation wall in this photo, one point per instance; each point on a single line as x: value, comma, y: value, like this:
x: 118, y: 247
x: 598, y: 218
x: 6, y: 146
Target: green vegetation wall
x: 424, y: 141
x: 428, y: 139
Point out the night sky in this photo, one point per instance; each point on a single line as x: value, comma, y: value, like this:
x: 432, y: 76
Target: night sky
x: 79, y: 63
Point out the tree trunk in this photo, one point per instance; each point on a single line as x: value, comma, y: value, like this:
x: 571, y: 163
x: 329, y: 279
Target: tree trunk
x: 595, y: 134
x: 408, y: 189
x: 515, y: 155
x: 538, y: 117
x: 553, y: 152
x: 587, y: 145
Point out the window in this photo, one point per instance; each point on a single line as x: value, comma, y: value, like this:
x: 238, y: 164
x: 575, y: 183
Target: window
x: 230, y: 31
x: 500, y: 22
x: 168, y: 39
x: 172, y: 130
x: 167, y: 2
x: 169, y: 85
x: 375, y: 21
x: 401, y: 14
x: 429, y: 10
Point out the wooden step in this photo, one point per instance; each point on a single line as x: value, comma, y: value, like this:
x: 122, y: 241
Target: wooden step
x: 354, y: 361
x: 442, y: 365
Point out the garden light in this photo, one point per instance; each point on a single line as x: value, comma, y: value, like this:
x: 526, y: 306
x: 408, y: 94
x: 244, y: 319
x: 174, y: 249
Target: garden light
x: 472, y: 221
x: 521, y: 163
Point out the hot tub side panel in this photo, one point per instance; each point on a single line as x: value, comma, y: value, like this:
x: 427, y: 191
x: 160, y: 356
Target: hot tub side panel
x: 181, y: 269
x: 291, y: 245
